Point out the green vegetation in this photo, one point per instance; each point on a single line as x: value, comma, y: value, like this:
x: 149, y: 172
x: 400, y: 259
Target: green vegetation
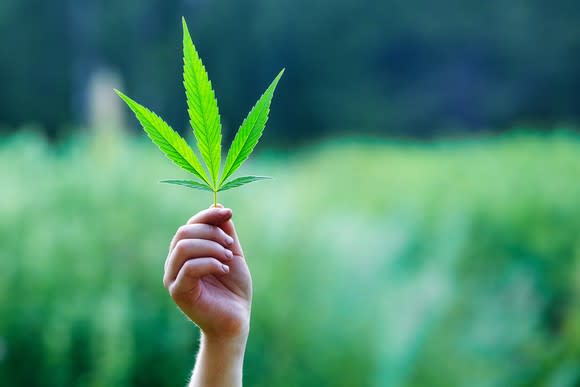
x: 450, y: 264
x: 205, y: 121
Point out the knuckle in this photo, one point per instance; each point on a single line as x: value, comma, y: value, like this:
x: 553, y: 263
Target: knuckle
x: 181, y: 232
x: 181, y: 246
x: 190, y: 268
x: 173, y: 291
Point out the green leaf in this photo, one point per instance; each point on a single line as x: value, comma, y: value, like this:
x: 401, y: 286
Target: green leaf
x: 241, y: 181
x: 202, y: 107
x: 189, y: 183
x: 250, y: 131
x: 168, y: 140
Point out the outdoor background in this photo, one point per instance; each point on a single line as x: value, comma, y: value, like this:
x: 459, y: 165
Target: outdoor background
x: 422, y: 227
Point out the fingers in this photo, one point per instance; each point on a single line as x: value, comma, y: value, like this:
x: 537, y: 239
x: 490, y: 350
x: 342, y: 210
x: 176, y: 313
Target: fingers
x: 208, y: 234
x: 229, y: 229
x: 219, y: 216
x: 192, y: 271
x: 201, y: 231
x: 190, y: 250
x: 214, y: 216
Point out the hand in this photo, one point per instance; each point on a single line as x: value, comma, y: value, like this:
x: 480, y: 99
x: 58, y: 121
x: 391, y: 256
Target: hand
x: 207, y: 276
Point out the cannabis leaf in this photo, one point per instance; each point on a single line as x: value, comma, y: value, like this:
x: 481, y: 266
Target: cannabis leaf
x: 204, y: 118
x: 168, y: 140
x: 202, y: 107
x: 241, y: 181
x: 250, y: 131
x: 189, y: 183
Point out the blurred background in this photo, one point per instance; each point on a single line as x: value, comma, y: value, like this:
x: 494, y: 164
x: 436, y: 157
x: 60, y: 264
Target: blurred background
x: 422, y: 227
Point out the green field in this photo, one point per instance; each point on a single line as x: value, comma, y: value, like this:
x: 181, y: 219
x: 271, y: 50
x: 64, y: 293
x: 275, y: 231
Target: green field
x: 455, y: 263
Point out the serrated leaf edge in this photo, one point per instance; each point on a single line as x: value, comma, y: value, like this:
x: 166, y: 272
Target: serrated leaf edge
x: 233, y: 159
x: 239, y: 181
x: 189, y: 183
x: 188, y: 160
x: 202, y: 106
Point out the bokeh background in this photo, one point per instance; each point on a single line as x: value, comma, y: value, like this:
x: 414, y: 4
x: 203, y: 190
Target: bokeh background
x: 422, y: 227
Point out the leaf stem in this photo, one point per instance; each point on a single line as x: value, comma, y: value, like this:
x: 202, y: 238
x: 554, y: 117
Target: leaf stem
x: 214, y: 198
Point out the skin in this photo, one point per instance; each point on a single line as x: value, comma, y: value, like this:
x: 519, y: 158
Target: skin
x: 207, y: 276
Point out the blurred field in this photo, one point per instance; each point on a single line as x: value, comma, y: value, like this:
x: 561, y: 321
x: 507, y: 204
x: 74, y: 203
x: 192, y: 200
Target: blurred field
x: 374, y: 264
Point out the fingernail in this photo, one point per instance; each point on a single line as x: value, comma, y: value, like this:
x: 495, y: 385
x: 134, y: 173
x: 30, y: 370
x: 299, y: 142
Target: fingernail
x: 229, y: 240
x: 225, y: 268
x: 229, y: 254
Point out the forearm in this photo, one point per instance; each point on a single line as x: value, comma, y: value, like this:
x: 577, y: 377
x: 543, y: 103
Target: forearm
x: 219, y: 362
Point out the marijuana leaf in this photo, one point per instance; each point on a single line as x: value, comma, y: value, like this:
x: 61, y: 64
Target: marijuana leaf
x: 241, y: 181
x: 202, y: 107
x: 250, y: 132
x: 168, y: 140
x: 189, y: 183
x: 205, y: 121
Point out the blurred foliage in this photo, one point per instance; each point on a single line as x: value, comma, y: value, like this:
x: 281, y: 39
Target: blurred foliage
x: 374, y: 264
x: 392, y: 67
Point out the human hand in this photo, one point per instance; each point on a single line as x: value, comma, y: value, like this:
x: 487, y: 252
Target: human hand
x: 208, y: 278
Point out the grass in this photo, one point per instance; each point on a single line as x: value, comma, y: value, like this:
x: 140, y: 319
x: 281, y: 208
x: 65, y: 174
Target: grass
x: 374, y: 263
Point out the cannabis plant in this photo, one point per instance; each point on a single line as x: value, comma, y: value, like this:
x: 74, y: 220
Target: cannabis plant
x: 204, y: 118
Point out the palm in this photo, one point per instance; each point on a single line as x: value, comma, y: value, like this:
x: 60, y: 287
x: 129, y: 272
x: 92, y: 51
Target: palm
x: 220, y: 302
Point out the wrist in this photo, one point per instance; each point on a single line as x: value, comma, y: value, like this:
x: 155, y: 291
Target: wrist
x: 220, y: 361
x: 231, y: 346
x: 228, y: 328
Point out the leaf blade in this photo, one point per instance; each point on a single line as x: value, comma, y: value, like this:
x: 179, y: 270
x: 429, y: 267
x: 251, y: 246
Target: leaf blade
x: 250, y: 131
x: 237, y: 182
x: 189, y: 183
x: 202, y: 106
x: 166, y: 139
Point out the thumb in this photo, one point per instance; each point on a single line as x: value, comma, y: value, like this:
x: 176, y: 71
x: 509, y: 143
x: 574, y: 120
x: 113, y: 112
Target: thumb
x: 230, y: 229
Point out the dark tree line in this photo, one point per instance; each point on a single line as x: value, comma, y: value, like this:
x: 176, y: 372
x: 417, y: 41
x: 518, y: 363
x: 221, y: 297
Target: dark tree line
x: 411, y: 68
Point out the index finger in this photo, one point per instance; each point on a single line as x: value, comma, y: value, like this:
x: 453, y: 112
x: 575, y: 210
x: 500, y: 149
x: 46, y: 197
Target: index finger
x: 229, y: 228
x: 213, y: 216
x: 222, y: 218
